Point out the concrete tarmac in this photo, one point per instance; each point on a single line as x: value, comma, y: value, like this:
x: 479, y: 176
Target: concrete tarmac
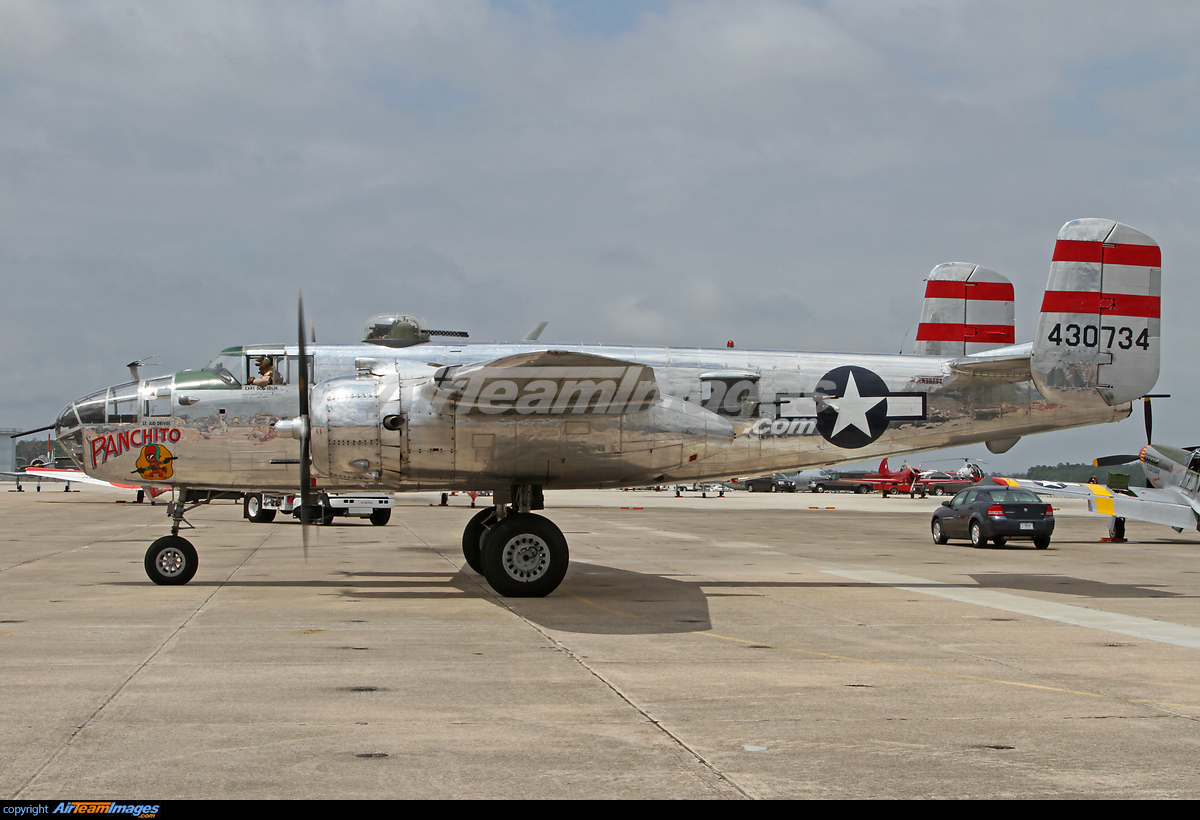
x: 749, y: 646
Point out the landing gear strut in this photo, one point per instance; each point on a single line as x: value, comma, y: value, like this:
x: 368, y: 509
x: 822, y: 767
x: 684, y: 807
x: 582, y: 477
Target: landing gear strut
x: 172, y: 560
x: 520, y: 553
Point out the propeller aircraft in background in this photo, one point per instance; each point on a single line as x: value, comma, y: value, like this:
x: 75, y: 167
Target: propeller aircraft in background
x: 914, y: 480
x: 402, y: 412
x: 65, y: 469
x: 1172, y: 499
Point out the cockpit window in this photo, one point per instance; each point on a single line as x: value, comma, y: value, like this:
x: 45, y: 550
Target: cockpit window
x: 224, y: 375
x: 265, y: 369
x: 228, y: 367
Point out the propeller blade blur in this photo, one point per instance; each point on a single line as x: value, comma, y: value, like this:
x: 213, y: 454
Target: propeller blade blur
x: 305, y: 472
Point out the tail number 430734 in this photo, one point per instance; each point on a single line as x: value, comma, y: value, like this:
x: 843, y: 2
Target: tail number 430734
x: 1091, y: 336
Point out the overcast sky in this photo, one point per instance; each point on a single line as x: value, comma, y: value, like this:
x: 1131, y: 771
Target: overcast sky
x: 783, y: 174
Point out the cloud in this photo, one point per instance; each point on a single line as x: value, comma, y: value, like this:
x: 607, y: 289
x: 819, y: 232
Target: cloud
x: 780, y: 173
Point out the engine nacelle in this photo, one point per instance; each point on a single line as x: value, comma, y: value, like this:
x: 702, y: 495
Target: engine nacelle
x: 386, y: 432
x: 348, y: 430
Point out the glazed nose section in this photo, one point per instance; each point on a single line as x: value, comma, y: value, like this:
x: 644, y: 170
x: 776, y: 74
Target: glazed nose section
x: 69, y: 432
x: 112, y: 405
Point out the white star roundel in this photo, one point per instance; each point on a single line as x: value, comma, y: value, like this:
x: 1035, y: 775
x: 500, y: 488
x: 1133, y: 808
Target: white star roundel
x: 855, y: 407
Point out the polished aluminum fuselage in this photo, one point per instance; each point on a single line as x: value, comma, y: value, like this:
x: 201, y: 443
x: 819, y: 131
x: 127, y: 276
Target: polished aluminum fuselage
x: 195, y: 430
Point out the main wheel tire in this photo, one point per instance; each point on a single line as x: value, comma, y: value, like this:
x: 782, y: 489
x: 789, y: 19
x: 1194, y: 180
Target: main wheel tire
x: 939, y: 535
x: 1042, y: 542
x: 472, y: 537
x: 171, y: 561
x: 524, y: 556
x: 977, y: 539
x: 252, y: 505
x: 381, y: 517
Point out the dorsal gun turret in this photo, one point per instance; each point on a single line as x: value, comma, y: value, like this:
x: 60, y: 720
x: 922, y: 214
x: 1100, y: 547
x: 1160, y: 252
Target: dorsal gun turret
x: 402, y: 330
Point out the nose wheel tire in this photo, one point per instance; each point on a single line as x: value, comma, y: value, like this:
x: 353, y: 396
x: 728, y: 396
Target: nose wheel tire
x: 524, y: 556
x: 171, y: 561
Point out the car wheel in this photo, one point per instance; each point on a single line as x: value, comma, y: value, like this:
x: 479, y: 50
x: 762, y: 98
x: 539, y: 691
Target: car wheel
x: 938, y: 491
x: 862, y: 489
x: 1042, y: 542
x: 977, y: 539
x: 253, y: 509
x: 820, y: 488
x: 1000, y: 540
x: 939, y: 536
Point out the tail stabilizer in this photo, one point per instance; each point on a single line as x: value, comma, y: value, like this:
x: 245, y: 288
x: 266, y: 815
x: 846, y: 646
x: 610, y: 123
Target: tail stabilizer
x: 968, y: 309
x: 1097, y: 340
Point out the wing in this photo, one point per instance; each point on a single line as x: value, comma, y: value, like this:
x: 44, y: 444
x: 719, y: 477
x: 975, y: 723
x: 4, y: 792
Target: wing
x: 1151, y: 505
x: 73, y: 475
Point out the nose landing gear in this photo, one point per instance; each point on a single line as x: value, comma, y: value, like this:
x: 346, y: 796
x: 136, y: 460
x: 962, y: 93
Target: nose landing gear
x: 172, y: 560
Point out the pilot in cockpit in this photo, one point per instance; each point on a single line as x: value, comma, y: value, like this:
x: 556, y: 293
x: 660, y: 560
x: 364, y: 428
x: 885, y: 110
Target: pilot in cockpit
x: 266, y: 372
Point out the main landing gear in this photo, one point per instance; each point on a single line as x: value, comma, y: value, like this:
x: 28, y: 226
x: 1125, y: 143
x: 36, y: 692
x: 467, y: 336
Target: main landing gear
x: 520, y: 553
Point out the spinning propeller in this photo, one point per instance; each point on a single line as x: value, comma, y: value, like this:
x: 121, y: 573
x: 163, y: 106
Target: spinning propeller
x: 1112, y: 461
x: 305, y: 470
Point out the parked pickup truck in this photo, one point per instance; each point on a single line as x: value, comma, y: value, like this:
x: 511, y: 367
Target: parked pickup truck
x: 262, y: 507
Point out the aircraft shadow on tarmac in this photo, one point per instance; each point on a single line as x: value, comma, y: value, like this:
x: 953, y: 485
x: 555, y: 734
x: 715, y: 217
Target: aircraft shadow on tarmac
x: 1067, y: 585
x: 593, y: 599
x: 604, y: 600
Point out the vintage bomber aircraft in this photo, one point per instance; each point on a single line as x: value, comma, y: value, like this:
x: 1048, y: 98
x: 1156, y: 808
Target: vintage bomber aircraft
x: 401, y: 412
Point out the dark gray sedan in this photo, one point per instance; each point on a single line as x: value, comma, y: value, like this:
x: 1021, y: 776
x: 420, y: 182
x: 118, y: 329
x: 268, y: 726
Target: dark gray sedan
x: 996, y: 514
